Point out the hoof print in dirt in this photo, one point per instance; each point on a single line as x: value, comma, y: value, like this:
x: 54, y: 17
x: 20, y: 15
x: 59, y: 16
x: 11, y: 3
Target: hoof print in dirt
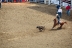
x: 41, y: 28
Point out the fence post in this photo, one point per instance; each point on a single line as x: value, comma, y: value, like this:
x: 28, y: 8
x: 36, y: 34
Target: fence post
x: 71, y: 4
x: 49, y: 2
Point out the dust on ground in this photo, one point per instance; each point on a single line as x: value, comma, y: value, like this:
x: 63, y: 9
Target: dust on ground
x: 18, y: 23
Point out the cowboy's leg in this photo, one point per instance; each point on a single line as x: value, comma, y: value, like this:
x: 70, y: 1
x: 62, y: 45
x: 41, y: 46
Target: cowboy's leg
x: 68, y: 12
x: 59, y: 20
x: 57, y: 11
x: 58, y: 17
x: 60, y: 14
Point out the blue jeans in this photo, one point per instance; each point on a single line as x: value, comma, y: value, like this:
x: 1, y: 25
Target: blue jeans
x: 56, y: 11
x: 68, y: 12
x: 58, y: 17
x: 60, y: 14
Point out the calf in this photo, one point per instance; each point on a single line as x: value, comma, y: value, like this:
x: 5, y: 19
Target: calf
x: 41, y: 28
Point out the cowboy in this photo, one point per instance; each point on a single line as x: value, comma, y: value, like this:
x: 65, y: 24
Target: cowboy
x: 60, y: 12
x: 57, y: 7
x: 58, y: 18
x: 68, y: 10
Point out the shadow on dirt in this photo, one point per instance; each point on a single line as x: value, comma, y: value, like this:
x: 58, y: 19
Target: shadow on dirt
x: 56, y: 29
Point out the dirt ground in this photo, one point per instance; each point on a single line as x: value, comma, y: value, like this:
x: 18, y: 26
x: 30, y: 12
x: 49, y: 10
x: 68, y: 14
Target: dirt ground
x: 18, y: 23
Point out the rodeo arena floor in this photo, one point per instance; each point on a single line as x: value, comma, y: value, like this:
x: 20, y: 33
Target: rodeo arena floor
x: 18, y: 22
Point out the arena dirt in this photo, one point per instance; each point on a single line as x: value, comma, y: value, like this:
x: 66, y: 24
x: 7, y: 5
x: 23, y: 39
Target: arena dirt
x: 18, y: 23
